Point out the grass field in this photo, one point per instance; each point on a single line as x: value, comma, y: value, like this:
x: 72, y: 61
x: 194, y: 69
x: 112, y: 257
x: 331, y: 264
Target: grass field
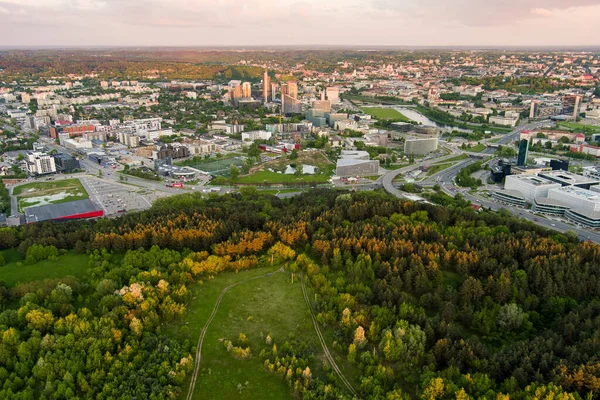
x: 385, y: 113
x: 457, y: 158
x: 49, y: 192
x: 479, y: 147
x: 68, y: 265
x: 274, y: 177
x: 434, y: 169
x: 580, y: 127
x: 264, y: 174
x: 276, y: 307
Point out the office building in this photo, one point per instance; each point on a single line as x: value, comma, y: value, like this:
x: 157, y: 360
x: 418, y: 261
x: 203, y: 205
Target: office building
x: 290, y: 88
x: 559, y: 165
x: 322, y: 105
x: 40, y: 163
x: 544, y: 205
x: 571, y: 105
x: 566, y: 178
x: 246, y: 90
x: 509, y: 197
x: 356, y: 163
x: 499, y: 172
x: 333, y: 95
x: 523, y: 152
x: 290, y: 105
x: 419, y: 146
x: 266, y: 86
x: 65, y: 162
x: 530, y: 186
x: 576, y: 198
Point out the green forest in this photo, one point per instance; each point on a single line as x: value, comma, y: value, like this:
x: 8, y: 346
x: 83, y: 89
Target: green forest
x: 363, y: 296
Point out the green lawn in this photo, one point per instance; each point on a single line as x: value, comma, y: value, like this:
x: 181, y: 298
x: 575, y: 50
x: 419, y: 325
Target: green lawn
x: 49, y: 192
x: 273, y: 177
x: 434, y: 169
x: 278, y: 191
x: 457, y: 158
x: 68, y: 265
x: 478, y: 148
x: 277, y: 308
x: 385, y: 113
x: 580, y: 127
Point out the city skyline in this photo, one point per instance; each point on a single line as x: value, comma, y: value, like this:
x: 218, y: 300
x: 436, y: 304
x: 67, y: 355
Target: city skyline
x: 27, y: 23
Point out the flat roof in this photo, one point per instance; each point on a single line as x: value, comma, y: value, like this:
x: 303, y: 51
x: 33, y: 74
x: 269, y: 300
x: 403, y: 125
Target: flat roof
x: 532, y: 179
x: 593, y: 215
x: 350, y: 154
x: 60, y: 210
x: 568, y: 177
x: 512, y: 193
x: 579, y: 192
x: 546, y: 201
x: 353, y: 161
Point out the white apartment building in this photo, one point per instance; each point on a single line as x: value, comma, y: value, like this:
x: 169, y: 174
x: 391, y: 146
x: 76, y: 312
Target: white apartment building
x: 40, y: 163
x: 255, y: 135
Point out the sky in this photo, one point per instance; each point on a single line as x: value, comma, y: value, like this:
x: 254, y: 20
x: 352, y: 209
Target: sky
x: 299, y: 22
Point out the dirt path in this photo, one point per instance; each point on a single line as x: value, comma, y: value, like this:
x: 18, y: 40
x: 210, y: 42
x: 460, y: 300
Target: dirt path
x: 198, y: 356
x: 323, y: 344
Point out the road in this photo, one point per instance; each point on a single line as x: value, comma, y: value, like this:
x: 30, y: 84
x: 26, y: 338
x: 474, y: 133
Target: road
x: 446, y: 177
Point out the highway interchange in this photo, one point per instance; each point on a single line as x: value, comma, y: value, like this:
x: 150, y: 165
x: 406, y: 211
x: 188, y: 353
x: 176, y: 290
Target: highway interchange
x: 446, y: 177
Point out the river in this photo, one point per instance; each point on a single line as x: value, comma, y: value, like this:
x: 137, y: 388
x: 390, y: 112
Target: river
x: 418, y: 117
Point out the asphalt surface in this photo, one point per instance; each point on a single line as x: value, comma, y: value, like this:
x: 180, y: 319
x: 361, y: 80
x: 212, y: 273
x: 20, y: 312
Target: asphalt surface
x: 446, y: 177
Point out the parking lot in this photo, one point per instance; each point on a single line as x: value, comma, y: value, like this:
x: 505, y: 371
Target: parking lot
x: 117, y: 198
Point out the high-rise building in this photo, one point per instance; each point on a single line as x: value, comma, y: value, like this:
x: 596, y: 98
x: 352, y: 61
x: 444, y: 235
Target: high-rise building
x: 523, y: 151
x: 290, y: 88
x: 40, y: 163
x: 273, y: 91
x: 289, y: 98
x: 246, y: 90
x: 266, y: 86
x: 333, y: 95
x: 571, y: 105
x: 534, y: 109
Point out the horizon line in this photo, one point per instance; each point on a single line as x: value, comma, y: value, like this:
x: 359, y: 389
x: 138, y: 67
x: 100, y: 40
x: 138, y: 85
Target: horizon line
x: 306, y: 47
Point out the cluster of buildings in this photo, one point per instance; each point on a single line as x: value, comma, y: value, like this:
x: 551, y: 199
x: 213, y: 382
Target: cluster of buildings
x: 557, y: 193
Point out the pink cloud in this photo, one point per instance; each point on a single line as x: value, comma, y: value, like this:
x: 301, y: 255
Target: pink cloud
x: 541, y: 12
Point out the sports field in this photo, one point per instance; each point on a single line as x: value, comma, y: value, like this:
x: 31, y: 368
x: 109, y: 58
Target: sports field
x: 219, y: 167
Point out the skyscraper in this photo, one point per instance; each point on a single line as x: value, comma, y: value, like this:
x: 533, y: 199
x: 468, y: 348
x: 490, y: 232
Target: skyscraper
x: 523, y: 150
x: 246, y: 90
x: 273, y: 91
x: 290, y: 88
x: 266, y: 86
x: 289, y: 98
x: 333, y: 95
